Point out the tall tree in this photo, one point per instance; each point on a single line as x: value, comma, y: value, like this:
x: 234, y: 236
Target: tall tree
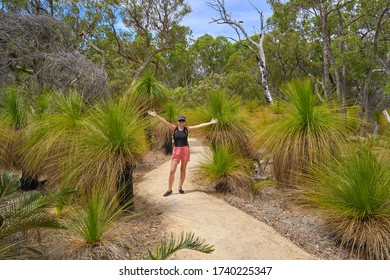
x: 256, y: 47
x: 151, y: 28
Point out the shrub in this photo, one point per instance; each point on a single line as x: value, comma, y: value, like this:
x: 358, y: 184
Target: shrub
x: 228, y: 170
x: 353, y: 193
x: 305, y: 129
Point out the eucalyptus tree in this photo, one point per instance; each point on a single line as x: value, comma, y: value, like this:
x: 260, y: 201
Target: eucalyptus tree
x: 354, y: 46
x: 256, y: 47
x: 151, y: 26
x: 210, y: 54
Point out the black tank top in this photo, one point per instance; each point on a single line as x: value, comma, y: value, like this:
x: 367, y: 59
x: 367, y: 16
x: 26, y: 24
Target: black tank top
x: 180, y: 137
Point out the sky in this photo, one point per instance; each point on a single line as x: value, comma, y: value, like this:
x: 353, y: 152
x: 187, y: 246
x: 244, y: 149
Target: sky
x: 201, y: 16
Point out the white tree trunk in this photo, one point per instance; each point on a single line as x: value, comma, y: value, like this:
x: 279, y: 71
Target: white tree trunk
x: 387, y: 115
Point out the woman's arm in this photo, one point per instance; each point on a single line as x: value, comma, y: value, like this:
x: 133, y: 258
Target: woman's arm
x: 213, y: 121
x: 161, y: 119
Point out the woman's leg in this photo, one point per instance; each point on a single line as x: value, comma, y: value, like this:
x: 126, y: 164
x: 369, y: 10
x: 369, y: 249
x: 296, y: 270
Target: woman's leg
x: 172, y: 174
x: 183, y: 168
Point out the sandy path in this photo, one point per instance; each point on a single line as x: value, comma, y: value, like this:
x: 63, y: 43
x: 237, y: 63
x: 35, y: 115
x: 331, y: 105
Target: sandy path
x: 234, y: 234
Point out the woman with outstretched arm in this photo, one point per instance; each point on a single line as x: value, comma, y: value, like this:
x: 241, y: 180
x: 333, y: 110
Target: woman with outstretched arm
x: 181, y: 150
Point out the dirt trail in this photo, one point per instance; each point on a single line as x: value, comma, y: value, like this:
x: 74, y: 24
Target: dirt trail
x: 234, y: 234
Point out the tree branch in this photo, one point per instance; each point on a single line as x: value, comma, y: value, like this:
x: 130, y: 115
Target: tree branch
x: 100, y: 51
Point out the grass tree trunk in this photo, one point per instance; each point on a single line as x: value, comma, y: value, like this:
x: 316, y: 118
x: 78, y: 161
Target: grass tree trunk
x: 28, y: 183
x: 168, y: 146
x: 125, y: 187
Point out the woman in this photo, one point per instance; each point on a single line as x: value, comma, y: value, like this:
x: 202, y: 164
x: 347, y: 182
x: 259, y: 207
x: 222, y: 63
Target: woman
x: 181, y: 150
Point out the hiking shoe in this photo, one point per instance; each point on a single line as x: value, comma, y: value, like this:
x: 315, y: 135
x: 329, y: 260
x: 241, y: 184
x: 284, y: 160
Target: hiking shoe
x: 167, y: 193
x: 181, y: 191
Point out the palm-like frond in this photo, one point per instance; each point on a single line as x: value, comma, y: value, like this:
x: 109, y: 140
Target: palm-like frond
x: 13, y: 108
x: 353, y: 194
x: 13, y: 118
x: 170, y: 111
x: 24, y: 211
x: 171, y: 246
x: 9, y: 184
x: 305, y: 130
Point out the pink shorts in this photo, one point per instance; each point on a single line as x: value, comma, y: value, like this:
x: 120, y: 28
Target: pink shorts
x: 181, y: 154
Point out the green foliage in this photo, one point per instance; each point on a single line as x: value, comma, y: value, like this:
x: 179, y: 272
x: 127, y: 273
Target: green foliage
x: 228, y: 170
x: 9, y: 184
x: 170, y: 112
x: 243, y: 84
x: 13, y: 107
x: 97, y: 215
x: 147, y: 92
x: 43, y: 103
x: 232, y: 129
x: 211, y: 54
x: 171, y: 246
x: 47, y: 141
x: 305, y: 130
x: 27, y: 210
x: 353, y: 194
x: 112, y: 136
x: 252, y: 106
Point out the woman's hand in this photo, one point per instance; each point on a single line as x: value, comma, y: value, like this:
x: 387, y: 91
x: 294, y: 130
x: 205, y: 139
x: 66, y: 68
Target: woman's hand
x: 152, y: 113
x: 213, y: 121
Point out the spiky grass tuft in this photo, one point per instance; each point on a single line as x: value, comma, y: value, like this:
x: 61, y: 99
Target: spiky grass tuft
x: 227, y: 169
x: 147, y: 92
x: 306, y: 129
x: 353, y: 194
x: 232, y: 129
x: 111, y: 139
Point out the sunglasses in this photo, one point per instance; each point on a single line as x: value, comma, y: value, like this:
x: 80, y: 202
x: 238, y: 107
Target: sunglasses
x: 181, y: 120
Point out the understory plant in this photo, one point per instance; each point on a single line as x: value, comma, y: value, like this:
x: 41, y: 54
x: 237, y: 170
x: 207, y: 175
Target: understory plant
x: 23, y: 211
x: 107, y: 148
x: 232, y: 128
x: 90, y: 224
x: 147, y: 92
x: 186, y: 241
x: 47, y: 141
x: 170, y: 112
x: 227, y: 169
x: 353, y: 195
x: 306, y: 128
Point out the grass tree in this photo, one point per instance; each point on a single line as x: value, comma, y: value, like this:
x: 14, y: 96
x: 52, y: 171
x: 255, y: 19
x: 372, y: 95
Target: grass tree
x: 147, y: 92
x: 14, y: 111
x: 107, y: 148
x: 48, y: 140
x: 232, y: 129
x: 305, y: 129
x: 170, y: 112
x: 228, y: 170
x: 90, y: 226
x: 353, y: 194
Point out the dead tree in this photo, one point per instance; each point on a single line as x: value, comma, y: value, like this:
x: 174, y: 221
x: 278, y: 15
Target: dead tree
x: 256, y: 47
